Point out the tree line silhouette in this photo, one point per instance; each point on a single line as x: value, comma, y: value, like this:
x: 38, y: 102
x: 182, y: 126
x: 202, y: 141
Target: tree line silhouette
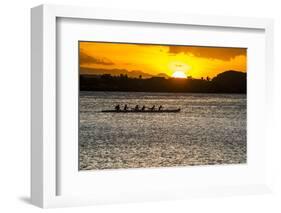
x: 227, y: 82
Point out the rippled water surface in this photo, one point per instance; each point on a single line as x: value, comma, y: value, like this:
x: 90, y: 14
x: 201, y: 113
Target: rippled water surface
x: 209, y: 129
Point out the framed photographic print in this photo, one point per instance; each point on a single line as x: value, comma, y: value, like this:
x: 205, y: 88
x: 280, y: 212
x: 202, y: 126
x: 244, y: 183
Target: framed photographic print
x: 151, y: 105
x: 130, y: 106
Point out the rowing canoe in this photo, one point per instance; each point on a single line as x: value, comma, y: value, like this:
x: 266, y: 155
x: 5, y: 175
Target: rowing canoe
x: 145, y: 111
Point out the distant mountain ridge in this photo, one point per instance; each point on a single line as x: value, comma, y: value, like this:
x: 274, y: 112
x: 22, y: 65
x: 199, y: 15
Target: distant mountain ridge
x: 117, y: 72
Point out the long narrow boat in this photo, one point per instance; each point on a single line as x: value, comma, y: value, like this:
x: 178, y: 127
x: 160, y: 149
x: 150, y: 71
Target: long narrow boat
x: 143, y: 111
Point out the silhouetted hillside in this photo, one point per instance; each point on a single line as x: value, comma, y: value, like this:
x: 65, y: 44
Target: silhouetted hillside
x: 226, y: 82
x: 230, y: 82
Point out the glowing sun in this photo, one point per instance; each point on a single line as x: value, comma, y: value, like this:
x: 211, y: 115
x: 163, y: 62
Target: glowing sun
x: 179, y: 74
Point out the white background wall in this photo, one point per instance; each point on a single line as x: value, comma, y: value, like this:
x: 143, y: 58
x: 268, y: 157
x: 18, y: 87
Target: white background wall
x: 15, y: 103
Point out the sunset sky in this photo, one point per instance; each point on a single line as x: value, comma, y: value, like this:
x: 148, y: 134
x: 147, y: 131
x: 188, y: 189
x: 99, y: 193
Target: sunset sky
x: 98, y: 57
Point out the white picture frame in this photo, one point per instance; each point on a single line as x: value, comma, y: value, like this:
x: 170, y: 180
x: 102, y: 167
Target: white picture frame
x: 45, y: 168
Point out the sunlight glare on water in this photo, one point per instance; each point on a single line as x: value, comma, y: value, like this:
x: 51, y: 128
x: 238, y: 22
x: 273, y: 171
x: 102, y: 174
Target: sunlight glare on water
x: 209, y: 129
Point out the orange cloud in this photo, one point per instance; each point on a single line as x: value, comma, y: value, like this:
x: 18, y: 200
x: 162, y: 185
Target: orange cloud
x: 221, y: 53
x: 87, y: 59
x: 154, y: 60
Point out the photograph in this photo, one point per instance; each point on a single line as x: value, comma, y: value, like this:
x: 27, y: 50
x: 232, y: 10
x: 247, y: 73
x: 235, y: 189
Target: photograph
x: 147, y: 105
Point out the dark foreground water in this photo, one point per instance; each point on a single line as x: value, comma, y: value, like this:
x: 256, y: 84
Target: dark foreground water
x: 210, y: 129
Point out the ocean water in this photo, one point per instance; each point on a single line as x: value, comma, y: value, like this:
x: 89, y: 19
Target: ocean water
x: 210, y: 129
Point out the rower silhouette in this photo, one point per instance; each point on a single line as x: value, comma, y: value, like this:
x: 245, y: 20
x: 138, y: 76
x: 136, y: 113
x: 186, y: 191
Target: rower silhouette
x: 137, y: 108
x: 143, y: 108
x: 117, y: 107
x: 160, y: 108
x: 125, y: 107
x: 152, y: 108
